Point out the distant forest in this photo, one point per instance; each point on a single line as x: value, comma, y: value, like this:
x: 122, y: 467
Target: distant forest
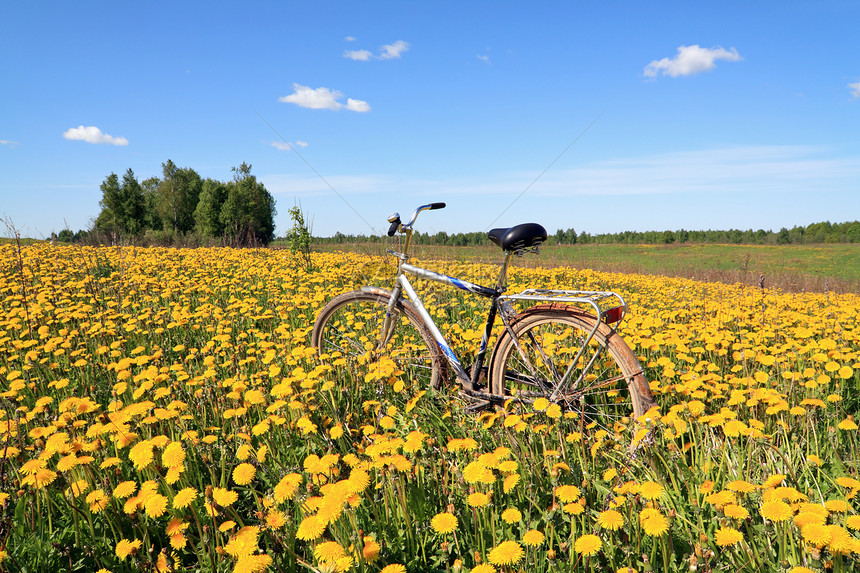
x: 181, y: 208
x: 815, y: 233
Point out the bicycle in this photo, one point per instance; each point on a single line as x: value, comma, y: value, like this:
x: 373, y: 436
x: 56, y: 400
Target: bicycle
x: 554, y: 349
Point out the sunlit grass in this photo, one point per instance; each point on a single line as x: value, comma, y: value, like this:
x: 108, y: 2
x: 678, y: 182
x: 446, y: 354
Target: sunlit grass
x: 162, y: 409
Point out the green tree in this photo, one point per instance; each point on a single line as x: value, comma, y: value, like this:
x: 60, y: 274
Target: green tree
x: 248, y: 213
x: 207, y: 215
x: 178, y: 193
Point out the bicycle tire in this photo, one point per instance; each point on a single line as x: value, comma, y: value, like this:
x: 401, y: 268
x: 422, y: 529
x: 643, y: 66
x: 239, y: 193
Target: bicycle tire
x: 349, y: 327
x: 614, y: 388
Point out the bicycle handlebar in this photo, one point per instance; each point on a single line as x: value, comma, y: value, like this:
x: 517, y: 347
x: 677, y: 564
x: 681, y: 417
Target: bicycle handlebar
x: 395, y: 218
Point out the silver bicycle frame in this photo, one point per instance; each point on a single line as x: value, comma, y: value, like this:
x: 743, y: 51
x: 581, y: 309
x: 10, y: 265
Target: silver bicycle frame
x: 595, y: 299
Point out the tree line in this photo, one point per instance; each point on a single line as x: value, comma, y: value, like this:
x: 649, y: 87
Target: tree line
x: 815, y: 233
x: 180, y: 207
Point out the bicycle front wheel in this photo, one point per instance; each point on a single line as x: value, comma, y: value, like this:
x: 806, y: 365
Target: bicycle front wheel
x: 350, y: 325
x: 551, y: 354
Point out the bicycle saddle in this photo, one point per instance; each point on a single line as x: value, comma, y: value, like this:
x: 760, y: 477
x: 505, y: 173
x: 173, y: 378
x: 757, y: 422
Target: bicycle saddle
x: 518, y: 237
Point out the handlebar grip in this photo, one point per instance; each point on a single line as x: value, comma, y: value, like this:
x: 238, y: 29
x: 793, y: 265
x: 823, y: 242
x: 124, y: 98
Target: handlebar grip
x: 393, y: 228
x: 437, y: 206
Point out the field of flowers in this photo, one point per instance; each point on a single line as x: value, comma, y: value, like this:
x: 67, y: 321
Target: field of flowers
x: 162, y: 411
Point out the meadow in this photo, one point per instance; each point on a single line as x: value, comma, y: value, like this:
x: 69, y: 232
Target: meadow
x: 791, y: 268
x: 162, y: 410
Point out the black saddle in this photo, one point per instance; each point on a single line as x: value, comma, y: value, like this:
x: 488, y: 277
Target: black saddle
x: 518, y: 237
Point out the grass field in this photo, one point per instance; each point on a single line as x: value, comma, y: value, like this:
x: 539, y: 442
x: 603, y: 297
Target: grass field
x: 792, y: 268
x: 162, y: 410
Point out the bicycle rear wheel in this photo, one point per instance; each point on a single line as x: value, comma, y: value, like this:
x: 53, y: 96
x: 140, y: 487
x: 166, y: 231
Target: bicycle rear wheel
x: 549, y: 338
x: 349, y: 327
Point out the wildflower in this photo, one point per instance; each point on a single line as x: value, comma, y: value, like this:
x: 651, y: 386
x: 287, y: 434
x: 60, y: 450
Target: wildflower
x: 651, y: 490
x: 287, y: 487
x: 816, y: 534
x: 329, y: 551
x: 567, y: 493
x: 776, y: 510
x: 853, y: 522
x: 836, y: 505
x: 244, y: 474
x: 511, y: 515
x: 155, y: 505
x: 184, y: 498
x: 740, y: 486
x: 224, y: 497
x: 726, y: 536
x: 505, y: 553
x: 141, y: 454
x: 610, y: 519
x: 478, y: 499
x: 244, y: 542
x: 847, y: 424
x: 394, y: 568
x: 653, y: 522
x: 483, y: 568
x: 371, y: 549
x: 477, y: 472
x: 311, y: 527
x: 173, y: 455
x: 735, y: 511
x: 587, y: 545
x: 275, y: 519
x: 125, y: 548
x: 124, y: 489
x: 510, y: 482
x: 444, y: 522
x: 610, y: 474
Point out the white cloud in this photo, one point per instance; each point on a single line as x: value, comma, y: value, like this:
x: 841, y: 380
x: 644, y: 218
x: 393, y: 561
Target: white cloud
x: 322, y: 98
x: 855, y: 89
x: 485, y: 59
x: 9, y: 143
x: 690, y: 60
x: 358, y: 55
x: 386, y: 52
x: 391, y: 51
x: 349, y: 39
x: 286, y: 146
x: 92, y: 134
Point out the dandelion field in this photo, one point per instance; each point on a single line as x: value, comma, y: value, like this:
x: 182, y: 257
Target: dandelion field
x: 162, y: 410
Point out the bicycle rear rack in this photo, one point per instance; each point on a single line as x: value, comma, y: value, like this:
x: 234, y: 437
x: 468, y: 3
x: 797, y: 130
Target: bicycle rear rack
x: 609, y: 307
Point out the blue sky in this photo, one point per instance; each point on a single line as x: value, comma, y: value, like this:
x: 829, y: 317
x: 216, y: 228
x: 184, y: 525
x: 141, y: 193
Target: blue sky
x: 601, y: 116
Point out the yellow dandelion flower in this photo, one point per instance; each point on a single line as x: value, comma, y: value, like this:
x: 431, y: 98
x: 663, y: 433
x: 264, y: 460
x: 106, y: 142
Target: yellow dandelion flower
x: 311, y: 527
x: 244, y: 474
x: 478, y: 499
x: 587, y: 545
x: 836, y: 505
x: 329, y: 551
x: 124, y: 489
x: 224, y: 497
x: 847, y: 424
x: 394, y: 568
x: 740, y: 486
x: 505, y: 553
x: 125, y: 548
x: 540, y: 404
x: 156, y: 505
x: 817, y: 534
x: 776, y: 510
x: 533, y: 538
x: 510, y: 482
x: 653, y: 522
x: 483, y: 568
x: 444, y: 523
x: 651, y: 490
x: 610, y: 519
x: 726, y: 536
x: 287, y: 487
x: 184, y: 498
x: 735, y: 511
x: 853, y: 522
x: 511, y: 515
x: 173, y: 455
x: 567, y: 493
x: 371, y: 549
